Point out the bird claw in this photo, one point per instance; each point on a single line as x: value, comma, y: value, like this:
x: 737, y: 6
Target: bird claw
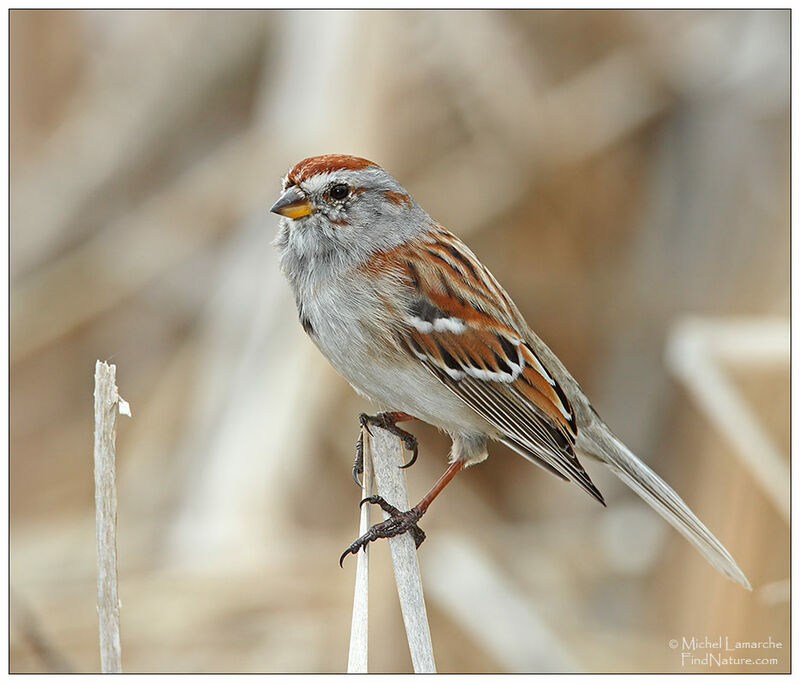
x: 358, y: 463
x: 410, y: 442
x: 365, y: 419
x: 381, y: 502
x: 385, y: 421
x: 397, y: 523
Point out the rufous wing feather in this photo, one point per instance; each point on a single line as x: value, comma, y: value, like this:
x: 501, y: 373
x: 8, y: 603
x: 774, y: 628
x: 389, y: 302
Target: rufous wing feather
x: 462, y: 326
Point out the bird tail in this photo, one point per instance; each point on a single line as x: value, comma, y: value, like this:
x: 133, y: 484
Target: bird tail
x: 660, y: 496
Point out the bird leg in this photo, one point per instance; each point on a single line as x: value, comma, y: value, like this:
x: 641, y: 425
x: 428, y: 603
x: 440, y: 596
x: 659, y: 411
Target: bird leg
x: 387, y: 421
x: 399, y: 522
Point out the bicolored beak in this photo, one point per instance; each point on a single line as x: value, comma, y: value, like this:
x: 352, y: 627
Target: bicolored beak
x: 292, y: 204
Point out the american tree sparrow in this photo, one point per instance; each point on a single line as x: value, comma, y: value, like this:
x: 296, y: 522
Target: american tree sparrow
x: 411, y: 318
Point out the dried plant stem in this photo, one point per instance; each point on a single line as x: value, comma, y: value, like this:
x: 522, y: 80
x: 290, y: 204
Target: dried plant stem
x: 106, y: 403
x: 697, y: 352
x: 386, y: 452
x: 357, y: 660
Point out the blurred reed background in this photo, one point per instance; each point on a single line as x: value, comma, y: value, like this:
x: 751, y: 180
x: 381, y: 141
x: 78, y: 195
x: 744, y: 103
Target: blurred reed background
x: 617, y: 171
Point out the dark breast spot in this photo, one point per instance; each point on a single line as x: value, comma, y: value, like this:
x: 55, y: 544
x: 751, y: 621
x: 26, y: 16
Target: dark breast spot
x: 304, y: 320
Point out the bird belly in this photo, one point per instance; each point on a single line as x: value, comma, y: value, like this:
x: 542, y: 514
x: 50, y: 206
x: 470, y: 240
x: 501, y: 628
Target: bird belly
x: 386, y: 375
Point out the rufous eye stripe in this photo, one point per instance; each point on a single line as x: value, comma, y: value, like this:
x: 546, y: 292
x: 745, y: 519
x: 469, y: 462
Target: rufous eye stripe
x: 397, y: 198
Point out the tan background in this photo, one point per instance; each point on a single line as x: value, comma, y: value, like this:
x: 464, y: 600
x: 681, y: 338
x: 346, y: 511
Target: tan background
x: 617, y: 171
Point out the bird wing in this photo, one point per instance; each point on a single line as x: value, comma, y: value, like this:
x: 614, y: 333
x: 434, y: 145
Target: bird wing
x: 467, y: 332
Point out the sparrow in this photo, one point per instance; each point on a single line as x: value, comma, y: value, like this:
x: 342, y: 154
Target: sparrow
x: 410, y: 317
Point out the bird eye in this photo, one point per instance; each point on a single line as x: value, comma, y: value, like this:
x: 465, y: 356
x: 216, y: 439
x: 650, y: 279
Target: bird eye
x: 339, y: 191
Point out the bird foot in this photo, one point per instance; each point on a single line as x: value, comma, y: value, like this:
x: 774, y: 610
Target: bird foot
x: 387, y: 421
x: 397, y: 523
